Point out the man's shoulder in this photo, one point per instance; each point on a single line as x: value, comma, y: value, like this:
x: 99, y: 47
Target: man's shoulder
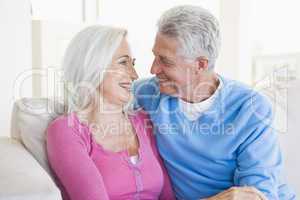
x: 238, y: 93
x: 238, y: 88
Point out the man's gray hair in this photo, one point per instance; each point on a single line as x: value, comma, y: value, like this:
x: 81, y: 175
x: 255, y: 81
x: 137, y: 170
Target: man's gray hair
x: 195, y: 28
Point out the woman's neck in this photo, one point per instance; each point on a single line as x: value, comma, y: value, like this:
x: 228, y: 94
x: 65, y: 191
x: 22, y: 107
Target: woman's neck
x: 103, y: 111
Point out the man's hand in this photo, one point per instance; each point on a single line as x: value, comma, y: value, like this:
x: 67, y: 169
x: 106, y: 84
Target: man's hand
x: 239, y: 193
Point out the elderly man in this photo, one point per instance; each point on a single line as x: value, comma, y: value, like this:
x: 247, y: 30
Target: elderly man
x: 214, y: 134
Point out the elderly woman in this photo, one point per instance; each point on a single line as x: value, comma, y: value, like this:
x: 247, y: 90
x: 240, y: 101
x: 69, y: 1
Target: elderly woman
x: 101, y: 149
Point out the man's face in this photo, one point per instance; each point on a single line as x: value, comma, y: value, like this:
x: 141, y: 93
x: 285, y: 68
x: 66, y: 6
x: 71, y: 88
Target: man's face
x: 174, y: 73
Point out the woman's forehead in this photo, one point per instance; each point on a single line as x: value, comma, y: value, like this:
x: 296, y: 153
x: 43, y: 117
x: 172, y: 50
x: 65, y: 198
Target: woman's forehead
x: 123, y: 49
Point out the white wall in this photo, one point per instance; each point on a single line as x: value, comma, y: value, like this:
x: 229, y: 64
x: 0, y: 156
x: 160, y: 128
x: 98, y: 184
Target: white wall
x: 54, y: 24
x: 15, y: 51
x: 236, y: 51
x: 289, y: 140
x: 50, y: 40
x: 57, y: 10
x: 276, y: 26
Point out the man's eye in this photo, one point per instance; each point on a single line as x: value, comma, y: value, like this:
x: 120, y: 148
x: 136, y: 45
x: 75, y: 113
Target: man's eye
x: 165, y: 63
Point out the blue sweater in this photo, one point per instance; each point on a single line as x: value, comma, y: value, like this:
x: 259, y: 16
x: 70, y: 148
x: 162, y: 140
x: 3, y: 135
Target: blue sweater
x: 232, y: 144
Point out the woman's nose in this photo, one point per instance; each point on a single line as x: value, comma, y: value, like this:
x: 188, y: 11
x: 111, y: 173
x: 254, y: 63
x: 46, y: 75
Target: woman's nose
x: 133, y: 74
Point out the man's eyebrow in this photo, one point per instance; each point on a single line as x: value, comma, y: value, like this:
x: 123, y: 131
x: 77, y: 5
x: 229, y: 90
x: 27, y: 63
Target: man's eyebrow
x: 163, y: 58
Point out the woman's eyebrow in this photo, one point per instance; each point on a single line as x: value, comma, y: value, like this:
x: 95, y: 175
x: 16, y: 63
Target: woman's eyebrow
x: 124, y: 56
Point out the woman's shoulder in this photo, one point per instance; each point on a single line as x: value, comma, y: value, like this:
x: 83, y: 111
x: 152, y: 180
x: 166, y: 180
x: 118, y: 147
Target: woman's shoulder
x: 143, y: 117
x: 67, y: 124
x: 63, y: 138
x: 62, y: 121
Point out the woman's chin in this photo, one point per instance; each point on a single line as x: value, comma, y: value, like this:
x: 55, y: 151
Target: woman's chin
x: 123, y: 99
x: 127, y: 102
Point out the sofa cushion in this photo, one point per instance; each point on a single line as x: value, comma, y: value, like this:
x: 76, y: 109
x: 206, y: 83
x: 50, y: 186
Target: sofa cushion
x: 21, y: 176
x: 30, y: 120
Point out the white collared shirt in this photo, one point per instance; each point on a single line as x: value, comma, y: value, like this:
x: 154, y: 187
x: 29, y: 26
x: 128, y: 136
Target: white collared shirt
x: 194, y: 110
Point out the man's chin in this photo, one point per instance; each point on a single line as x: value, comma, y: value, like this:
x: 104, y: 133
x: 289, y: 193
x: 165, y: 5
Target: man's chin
x: 168, y: 90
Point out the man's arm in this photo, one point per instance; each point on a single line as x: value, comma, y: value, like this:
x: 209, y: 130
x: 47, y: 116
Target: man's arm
x: 239, y: 193
x: 259, y: 160
x: 258, y: 157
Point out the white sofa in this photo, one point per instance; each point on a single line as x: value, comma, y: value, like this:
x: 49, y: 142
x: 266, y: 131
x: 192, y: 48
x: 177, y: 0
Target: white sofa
x: 24, y: 171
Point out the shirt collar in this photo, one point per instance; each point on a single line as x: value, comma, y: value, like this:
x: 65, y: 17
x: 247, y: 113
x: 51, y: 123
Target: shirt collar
x: 194, y: 110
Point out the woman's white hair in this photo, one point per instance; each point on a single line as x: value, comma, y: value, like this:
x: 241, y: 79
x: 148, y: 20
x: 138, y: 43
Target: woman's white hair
x: 85, y: 61
x: 195, y: 28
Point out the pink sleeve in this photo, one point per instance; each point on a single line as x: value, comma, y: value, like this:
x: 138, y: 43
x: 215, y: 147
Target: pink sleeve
x: 68, y: 156
x: 167, y: 191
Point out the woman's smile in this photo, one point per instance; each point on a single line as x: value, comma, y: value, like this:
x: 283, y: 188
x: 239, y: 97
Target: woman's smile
x: 126, y: 85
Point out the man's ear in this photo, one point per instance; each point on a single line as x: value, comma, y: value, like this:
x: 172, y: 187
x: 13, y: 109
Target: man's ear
x: 202, y: 63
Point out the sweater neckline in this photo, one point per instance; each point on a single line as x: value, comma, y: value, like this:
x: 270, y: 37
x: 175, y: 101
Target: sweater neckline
x: 123, y: 153
x: 192, y: 111
x: 215, y: 107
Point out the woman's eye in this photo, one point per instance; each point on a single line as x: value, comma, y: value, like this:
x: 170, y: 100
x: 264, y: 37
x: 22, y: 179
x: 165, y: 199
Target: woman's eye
x: 124, y: 63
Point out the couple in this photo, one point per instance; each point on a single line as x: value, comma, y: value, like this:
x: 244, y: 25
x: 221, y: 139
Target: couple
x: 187, y: 133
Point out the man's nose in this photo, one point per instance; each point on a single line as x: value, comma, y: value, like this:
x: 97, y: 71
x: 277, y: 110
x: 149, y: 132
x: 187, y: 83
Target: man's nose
x: 155, y: 68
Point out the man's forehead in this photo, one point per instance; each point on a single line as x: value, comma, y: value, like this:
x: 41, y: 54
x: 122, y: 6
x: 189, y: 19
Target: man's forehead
x: 165, y: 46
x: 162, y: 52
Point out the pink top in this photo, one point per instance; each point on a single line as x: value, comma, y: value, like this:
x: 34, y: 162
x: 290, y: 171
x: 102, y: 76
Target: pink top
x: 85, y: 171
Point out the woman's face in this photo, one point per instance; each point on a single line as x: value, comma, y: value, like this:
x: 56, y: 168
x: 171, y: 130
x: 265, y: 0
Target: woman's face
x: 116, y: 84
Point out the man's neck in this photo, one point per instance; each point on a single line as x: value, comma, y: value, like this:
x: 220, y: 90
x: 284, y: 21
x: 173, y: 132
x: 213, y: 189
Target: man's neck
x: 205, y: 88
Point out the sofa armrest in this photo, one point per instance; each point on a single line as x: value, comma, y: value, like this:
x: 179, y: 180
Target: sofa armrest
x: 21, y: 176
